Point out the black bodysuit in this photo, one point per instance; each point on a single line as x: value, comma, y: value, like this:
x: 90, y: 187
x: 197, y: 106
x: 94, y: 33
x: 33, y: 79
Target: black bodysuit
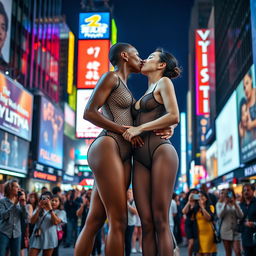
x: 149, y: 110
x: 117, y: 108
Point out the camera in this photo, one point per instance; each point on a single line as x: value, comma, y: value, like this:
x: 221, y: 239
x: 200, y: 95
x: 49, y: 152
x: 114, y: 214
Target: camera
x: 43, y: 197
x: 19, y: 194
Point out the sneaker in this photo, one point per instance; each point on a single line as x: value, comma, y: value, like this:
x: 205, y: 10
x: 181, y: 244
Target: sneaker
x: 139, y: 250
x: 134, y: 250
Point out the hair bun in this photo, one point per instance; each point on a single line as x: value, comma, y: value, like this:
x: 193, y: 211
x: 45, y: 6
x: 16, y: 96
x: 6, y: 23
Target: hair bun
x: 175, y: 72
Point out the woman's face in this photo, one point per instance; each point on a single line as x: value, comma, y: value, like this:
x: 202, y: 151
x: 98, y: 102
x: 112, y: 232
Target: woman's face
x: 55, y: 203
x: 247, y: 82
x: 223, y: 194
x: 32, y: 199
x: 203, y: 198
x: 134, y: 61
x: 151, y: 63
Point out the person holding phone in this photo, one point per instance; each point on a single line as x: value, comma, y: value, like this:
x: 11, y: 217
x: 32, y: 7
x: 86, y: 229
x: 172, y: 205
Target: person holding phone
x: 190, y: 222
x: 229, y: 213
x: 12, y: 210
x: 45, y: 218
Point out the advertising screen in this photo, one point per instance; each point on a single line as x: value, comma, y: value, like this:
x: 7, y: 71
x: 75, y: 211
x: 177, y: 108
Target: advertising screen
x: 69, y: 127
x: 84, y: 129
x: 81, y: 151
x: 204, y: 47
x: 227, y: 137
x: 92, y: 62
x: 94, y: 25
x: 246, y: 109
x: 16, y: 105
x: 50, y: 145
x: 6, y: 7
x: 69, y: 153
x: 212, y: 161
x: 13, y: 152
x: 253, y: 26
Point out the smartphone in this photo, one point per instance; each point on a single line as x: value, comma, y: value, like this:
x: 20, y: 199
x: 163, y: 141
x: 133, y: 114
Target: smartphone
x: 230, y: 194
x: 44, y: 197
x: 19, y: 194
x: 196, y: 196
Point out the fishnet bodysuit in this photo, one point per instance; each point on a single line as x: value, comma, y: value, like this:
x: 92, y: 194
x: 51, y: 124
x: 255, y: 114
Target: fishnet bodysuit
x: 149, y: 110
x: 117, y: 108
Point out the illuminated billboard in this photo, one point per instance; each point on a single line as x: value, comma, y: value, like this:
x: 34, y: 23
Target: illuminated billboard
x: 113, y: 32
x: 71, y: 54
x: 13, y: 153
x: 253, y: 26
x: 92, y: 62
x: 212, y: 161
x: 246, y: 109
x: 69, y: 127
x: 94, y: 25
x: 50, y: 145
x: 16, y: 108
x: 227, y: 137
x: 84, y: 129
x: 204, y: 47
x: 6, y: 7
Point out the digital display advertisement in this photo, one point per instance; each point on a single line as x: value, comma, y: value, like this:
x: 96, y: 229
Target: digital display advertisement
x: 6, y: 7
x: 253, y: 26
x: 246, y: 109
x: 69, y: 153
x: 81, y: 151
x: 16, y: 108
x: 50, y: 146
x: 94, y: 25
x: 69, y: 127
x: 212, y: 161
x: 227, y: 137
x: 13, y: 152
x: 92, y: 62
x: 204, y: 47
x: 84, y: 129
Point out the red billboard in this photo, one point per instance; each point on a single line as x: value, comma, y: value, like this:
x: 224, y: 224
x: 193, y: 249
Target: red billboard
x: 203, y: 56
x: 92, y: 62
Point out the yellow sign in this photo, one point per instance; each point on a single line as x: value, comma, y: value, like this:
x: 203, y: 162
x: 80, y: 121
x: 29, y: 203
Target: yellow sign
x: 71, y: 51
x: 113, y: 32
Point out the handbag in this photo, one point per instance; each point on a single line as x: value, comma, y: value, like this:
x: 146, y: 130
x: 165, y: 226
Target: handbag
x: 38, y: 230
x: 216, y: 234
x: 60, y: 234
x: 176, y: 250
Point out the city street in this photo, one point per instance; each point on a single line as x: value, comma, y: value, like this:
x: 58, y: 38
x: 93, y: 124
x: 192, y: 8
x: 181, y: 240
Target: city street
x: 183, y: 251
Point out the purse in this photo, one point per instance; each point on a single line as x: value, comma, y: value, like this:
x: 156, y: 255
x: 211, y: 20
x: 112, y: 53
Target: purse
x: 216, y: 234
x: 38, y: 230
x: 60, y: 234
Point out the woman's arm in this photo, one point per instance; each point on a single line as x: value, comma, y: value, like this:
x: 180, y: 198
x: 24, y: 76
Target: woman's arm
x: 54, y: 218
x: 35, y: 216
x: 80, y: 211
x: 99, y: 96
x: 239, y: 212
x: 167, y: 93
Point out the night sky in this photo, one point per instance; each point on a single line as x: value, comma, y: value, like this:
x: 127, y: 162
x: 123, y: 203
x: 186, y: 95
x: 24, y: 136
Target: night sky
x: 148, y: 24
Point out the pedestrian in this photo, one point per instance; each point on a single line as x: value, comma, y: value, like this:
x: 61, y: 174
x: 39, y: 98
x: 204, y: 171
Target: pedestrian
x: 137, y: 235
x: 12, y: 211
x: 229, y: 213
x: 32, y: 204
x: 132, y: 212
x: 189, y: 211
x: 247, y: 225
x: 45, y: 218
x: 71, y: 206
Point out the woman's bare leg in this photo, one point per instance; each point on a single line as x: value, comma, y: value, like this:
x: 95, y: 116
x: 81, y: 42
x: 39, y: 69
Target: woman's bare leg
x: 164, y: 170
x: 142, y: 195
x: 33, y: 252
x: 109, y: 172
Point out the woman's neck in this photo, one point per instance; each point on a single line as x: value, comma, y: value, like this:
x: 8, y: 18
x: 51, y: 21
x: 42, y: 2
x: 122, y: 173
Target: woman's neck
x: 123, y: 72
x: 153, y: 78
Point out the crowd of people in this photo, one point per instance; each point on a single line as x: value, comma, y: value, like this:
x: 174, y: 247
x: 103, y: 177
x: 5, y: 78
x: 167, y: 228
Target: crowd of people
x: 198, y: 219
